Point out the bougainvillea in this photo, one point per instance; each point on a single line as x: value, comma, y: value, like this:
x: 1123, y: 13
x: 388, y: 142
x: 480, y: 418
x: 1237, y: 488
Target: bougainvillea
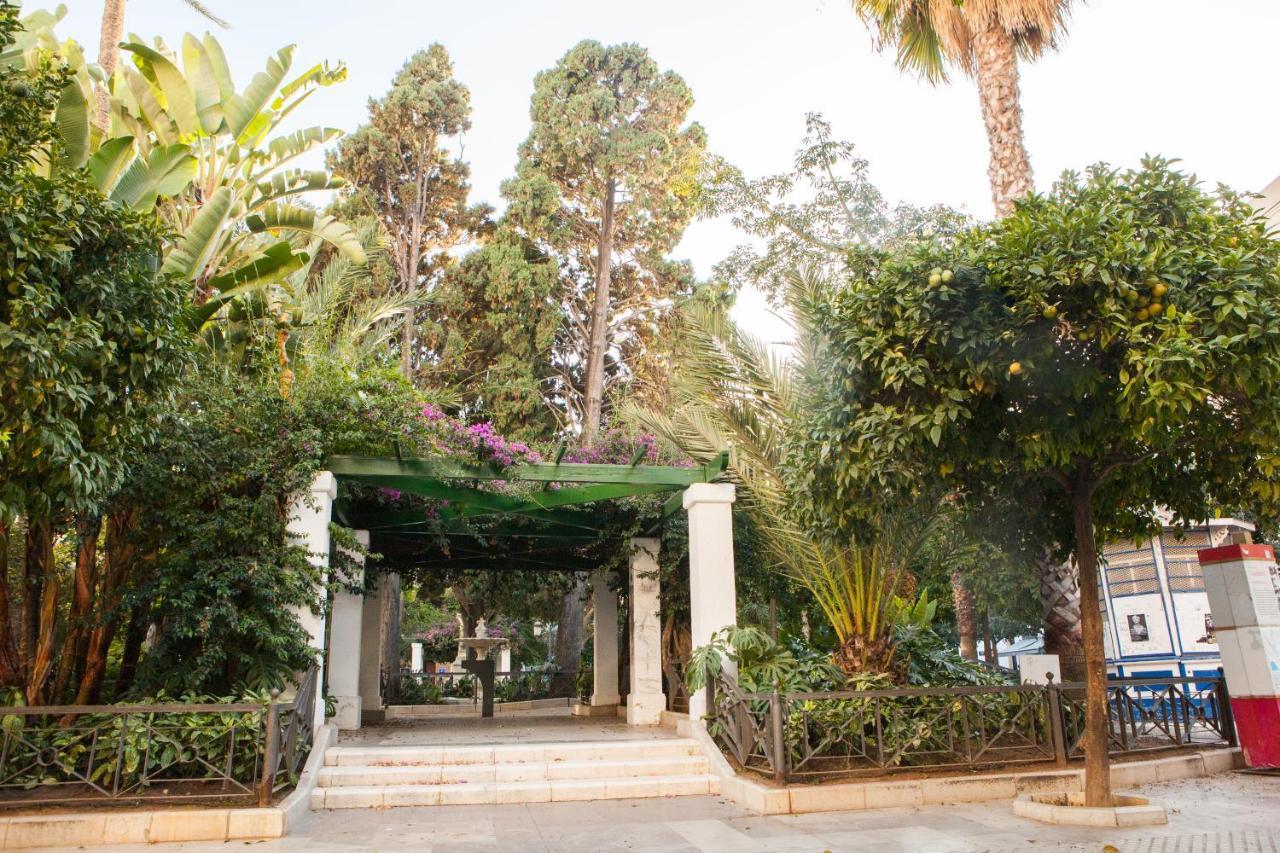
x: 442, y: 435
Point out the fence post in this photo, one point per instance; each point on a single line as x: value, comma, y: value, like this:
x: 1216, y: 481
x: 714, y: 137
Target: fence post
x: 270, y: 750
x: 778, y: 755
x: 1226, y: 717
x: 1057, y: 727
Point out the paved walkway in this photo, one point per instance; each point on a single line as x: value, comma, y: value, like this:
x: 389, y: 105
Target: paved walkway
x: 1237, y: 813
x: 547, y: 725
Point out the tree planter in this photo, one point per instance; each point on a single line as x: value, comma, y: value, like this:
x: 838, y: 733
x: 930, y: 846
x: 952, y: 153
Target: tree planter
x: 1069, y: 810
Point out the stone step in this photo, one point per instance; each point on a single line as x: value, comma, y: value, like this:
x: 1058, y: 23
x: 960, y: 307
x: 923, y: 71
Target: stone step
x: 488, y: 793
x: 530, y: 771
x: 402, y: 756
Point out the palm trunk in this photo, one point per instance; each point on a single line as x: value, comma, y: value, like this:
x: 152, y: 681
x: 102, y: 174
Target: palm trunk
x: 1097, y: 762
x: 108, y: 54
x: 599, y: 322
x: 966, y: 617
x: 390, y: 604
x: 997, y: 76
x: 1060, y: 603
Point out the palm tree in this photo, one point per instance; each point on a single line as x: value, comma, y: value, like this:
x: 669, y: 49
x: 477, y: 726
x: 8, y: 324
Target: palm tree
x: 732, y: 391
x: 984, y: 39
x: 112, y: 34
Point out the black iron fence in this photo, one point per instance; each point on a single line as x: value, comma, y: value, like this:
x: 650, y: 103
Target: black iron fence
x: 807, y: 736
x: 167, y: 752
x: 444, y: 688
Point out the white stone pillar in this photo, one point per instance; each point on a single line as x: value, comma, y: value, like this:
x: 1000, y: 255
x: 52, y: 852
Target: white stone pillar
x: 645, y: 700
x: 604, y: 668
x: 308, y: 527
x: 504, y: 659
x: 371, y: 651
x: 712, y: 595
x: 346, y: 638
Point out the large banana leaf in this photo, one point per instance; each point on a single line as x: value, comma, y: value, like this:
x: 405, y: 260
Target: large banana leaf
x: 199, y: 242
x: 165, y: 173
x: 245, y: 112
x: 72, y: 119
x: 278, y: 261
x: 172, y: 91
x: 293, y: 182
x: 205, y: 87
x: 109, y: 162
x: 282, y: 149
x: 280, y: 216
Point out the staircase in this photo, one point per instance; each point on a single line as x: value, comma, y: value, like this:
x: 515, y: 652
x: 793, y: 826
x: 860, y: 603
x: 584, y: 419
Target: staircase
x: 381, y: 776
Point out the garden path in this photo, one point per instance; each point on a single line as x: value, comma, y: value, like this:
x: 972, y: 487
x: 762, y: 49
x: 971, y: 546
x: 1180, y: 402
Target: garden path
x: 1238, y: 812
x: 546, y: 725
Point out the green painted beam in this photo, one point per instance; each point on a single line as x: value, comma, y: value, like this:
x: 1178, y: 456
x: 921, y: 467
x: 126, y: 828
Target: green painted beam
x: 380, y: 469
x: 567, y: 497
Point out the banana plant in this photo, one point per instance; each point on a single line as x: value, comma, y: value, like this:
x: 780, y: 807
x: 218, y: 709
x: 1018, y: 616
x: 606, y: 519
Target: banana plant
x: 211, y: 161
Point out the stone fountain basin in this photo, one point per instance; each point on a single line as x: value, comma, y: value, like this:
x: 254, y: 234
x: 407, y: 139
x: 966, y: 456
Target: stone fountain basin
x: 1069, y: 810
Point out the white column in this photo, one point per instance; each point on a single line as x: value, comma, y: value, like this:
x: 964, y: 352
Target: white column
x: 346, y: 638
x: 712, y: 594
x: 371, y: 651
x: 308, y: 526
x: 604, y: 602
x: 504, y: 659
x: 645, y: 701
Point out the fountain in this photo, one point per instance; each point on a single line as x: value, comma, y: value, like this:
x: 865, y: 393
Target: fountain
x: 482, y: 666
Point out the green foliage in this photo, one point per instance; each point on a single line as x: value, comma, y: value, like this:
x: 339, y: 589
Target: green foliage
x: 150, y: 749
x: 89, y: 331
x: 607, y: 121
x: 214, y: 496
x: 1031, y: 352
x: 401, y: 173
x: 494, y: 323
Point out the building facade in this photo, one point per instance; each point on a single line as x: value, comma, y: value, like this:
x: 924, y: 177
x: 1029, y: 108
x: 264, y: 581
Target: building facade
x: 1156, y: 617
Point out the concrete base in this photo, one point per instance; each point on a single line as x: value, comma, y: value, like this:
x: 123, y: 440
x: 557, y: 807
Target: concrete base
x: 894, y: 793
x: 645, y: 709
x: 112, y: 827
x: 581, y: 710
x: 347, y: 714
x: 1070, y: 810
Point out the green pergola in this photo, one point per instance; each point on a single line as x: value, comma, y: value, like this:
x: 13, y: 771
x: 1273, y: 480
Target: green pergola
x: 546, y: 525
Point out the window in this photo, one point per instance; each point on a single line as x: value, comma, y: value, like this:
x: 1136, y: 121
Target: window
x: 1130, y: 570
x: 1180, y: 560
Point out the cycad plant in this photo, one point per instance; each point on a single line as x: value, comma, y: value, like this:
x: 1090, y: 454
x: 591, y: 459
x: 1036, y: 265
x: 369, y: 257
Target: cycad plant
x: 731, y: 390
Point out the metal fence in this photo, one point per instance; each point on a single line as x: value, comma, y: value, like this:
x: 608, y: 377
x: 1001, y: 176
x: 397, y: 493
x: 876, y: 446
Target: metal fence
x: 167, y: 752
x: 807, y: 736
x: 438, y: 688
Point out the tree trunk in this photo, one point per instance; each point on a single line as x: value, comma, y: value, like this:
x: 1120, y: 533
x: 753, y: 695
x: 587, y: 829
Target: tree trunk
x: 134, y: 636
x: 569, y: 634
x: 40, y: 610
x: 966, y: 618
x: 997, y: 76
x: 108, y: 54
x: 8, y: 653
x: 1097, y: 762
x: 390, y: 604
x: 599, y: 322
x: 988, y: 640
x: 83, y: 585
x: 1060, y: 604
x: 117, y: 563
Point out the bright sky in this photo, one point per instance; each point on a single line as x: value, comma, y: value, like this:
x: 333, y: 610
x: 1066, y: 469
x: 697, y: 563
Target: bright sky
x: 1183, y: 78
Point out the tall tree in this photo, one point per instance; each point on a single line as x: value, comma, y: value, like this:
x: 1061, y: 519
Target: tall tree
x: 491, y: 327
x: 984, y: 39
x: 400, y: 171
x: 1114, y: 345
x: 610, y: 140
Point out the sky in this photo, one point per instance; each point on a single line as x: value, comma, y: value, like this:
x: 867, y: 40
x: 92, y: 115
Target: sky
x: 1188, y: 79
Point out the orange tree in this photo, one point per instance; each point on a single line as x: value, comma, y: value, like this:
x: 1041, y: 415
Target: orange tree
x: 1109, y: 348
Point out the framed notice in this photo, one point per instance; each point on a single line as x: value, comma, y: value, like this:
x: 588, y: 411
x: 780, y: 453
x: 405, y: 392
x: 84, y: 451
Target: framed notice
x: 1138, y: 630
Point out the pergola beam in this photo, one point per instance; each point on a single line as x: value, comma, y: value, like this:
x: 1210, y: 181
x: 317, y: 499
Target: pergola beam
x: 379, y: 470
